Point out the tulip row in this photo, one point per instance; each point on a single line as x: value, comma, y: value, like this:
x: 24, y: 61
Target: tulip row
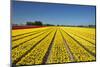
x: 23, y: 48
x: 37, y: 54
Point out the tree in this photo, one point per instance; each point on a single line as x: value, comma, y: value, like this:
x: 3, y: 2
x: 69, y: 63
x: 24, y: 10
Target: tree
x: 91, y: 25
x: 48, y: 25
x: 29, y: 23
x: 39, y: 23
x: 36, y: 23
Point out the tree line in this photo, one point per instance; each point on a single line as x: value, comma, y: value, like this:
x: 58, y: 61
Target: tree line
x: 40, y: 23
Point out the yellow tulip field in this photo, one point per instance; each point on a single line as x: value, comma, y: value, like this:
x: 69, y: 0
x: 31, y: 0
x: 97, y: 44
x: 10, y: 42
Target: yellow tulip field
x: 52, y: 45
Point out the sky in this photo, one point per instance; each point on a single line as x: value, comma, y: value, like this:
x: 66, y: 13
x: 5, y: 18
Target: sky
x: 63, y: 14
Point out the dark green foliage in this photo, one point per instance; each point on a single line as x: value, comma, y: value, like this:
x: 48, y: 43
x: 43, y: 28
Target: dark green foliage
x: 40, y: 23
x: 48, y: 25
x: 36, y: 23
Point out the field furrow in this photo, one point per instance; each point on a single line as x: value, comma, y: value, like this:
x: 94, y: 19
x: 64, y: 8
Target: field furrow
x: 81, y: 35
x: 16, y: 33
x: 26, y: 35
x: 79, y: 52
x: 24, y: 40
x: 85, y: 32
x: 58, y: 52
x: 51, y: 45
x: 68, y: 49
x: 36, y: 55
x: 25, y: 48
x: 85, y: 44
